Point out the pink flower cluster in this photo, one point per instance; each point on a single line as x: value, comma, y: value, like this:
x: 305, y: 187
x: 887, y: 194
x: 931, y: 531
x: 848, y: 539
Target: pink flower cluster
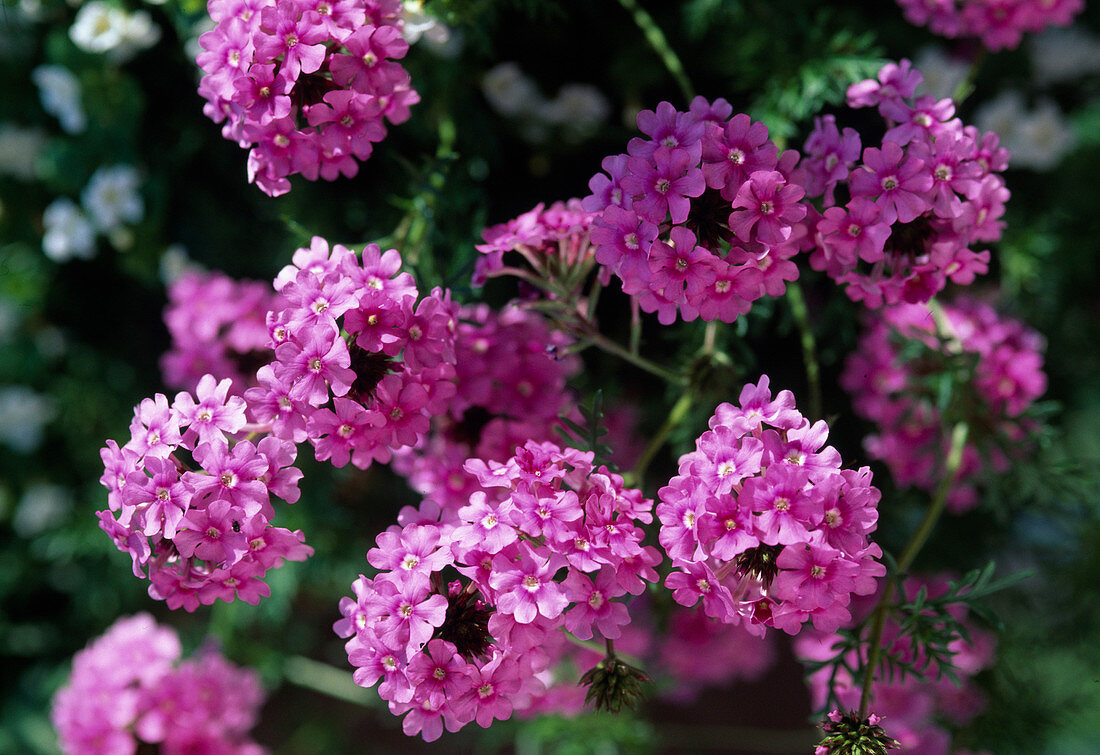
x: 763, y: 525
x: 916, y: 711
x: 999, y: 23
x: 128, y: 691
x: 217, y: 326
x: 915, y: 205
x: 701, y: 217
x: 305, y: 83
x: 359, y: 396
x: 554, y: 242
x: 462, y: 621
x: 192, y: 496
x: 510, y: 387
x: 901, y: 397
x: 359, y: 368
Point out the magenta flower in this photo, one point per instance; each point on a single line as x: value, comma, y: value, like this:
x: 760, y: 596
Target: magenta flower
x: 594, y: 605
x: 734, y: 151
x: 155, y: 429
x: 898, y: 182
x: 298, y: 37
x: 232, y: 475
x: 213, y: 533
x: 771, y: 207
x: 527, y: 589
x: 491, y: 692
x: 408, y: 612
x: 414, y: 549
x: 667, y: 127
x: 661, y: 187
x: 215, y: 415
x: 320, y: 361
x: 853, y: 233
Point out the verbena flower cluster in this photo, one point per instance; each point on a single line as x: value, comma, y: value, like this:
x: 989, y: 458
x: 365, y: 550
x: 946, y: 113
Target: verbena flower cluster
x: 554, y: 241
x: 189, y: 498
x: 361, y: 360
x: 464, y: 617
x: 129, y: 691
x: 1000, y: 24
x: 894, y: 378
x: 218, y: 326
x: 359, y: 368
x: 763, y: 525
x: 918, y: 710
x: 702, y: 216
x: 510, y: 387
x: 307, y: 84
x: 915, y: 205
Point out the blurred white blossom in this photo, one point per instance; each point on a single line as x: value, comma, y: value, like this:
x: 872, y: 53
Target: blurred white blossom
x: 1037, y: 138
x: 19, y: 150
x: 42, y: 507
x: 111, y: 197
x: 579, y: 109
x: 510, y: 91
x: 59, y: 91
x: 68, y: 232
x: 942, y: 73
x: 573, y: 115
x: 1064, y: 54
x: 419, y: 24
x: 103, y: 28
x: 23, y: 416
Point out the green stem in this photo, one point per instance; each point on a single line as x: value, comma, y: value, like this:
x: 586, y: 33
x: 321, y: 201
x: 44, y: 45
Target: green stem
x: 675, y: 417
x: 959, y: 434
x: 601, y: 648
x: 709, y: 336
x: 912, y: 548
x: 966, y: 86
x: 809, y: 345
x: 944, y: 328
x: 598, y: 339
x: 323, y: 678
x: 635, y: 325
x: 656, y: 39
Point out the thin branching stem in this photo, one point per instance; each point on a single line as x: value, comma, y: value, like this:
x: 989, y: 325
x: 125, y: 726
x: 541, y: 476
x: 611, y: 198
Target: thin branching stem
x: 601, y: 341
x: 878, y: 621
x: 675, y: 417
x: 809, y: 345
x: 657, y: 40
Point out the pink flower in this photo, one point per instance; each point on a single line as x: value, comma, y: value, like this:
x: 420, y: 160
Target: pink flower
x: 662, y: 187
x: 526, y: 589
x: 897, y: 181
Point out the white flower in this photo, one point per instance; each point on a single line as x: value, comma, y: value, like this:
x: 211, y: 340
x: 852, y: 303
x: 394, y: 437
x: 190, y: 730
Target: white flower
x: 942, y: 73
x: 23, y: 415
x: 1048, y: 137
x: 1064, y: 54
x: 510, y: 91
x: 1037, y: 139
x: 59, y: 91
x: 98, y: 27
x: 579, y: 109
x: 419, y: 24
x: 19, y: 151
x: 68, y: 232
x: 111, y: 197
x: 42, y: 507
x: 103, y: 28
